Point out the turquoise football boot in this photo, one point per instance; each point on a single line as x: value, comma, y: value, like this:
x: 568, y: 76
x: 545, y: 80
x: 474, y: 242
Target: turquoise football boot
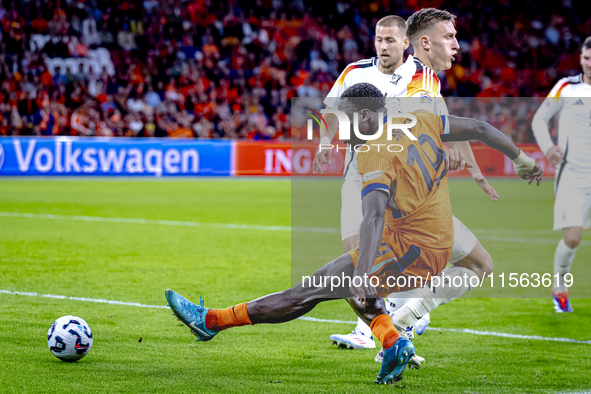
x: 395, y: 359
x: 191, y: 314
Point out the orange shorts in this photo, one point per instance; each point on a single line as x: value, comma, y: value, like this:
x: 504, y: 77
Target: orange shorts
x: 401, y: 266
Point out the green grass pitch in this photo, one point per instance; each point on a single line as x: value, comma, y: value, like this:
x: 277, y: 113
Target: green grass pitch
x: 136, y: 262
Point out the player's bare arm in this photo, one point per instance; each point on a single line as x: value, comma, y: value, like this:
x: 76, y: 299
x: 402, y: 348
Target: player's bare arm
x: 462, y: 129
x: 454, y: 159
x: 550, y: 107
x: 370, y: 236
x: 474, y: 170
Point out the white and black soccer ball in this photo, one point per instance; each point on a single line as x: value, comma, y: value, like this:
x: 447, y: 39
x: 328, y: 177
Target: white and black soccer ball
x: 69, y: 338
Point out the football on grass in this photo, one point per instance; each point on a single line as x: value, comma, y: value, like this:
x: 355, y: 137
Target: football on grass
x: 69, y: 338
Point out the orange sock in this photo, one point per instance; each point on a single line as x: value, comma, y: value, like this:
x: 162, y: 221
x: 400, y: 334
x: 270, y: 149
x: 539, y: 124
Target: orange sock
x: 384, y: 330
x: 234, y: 316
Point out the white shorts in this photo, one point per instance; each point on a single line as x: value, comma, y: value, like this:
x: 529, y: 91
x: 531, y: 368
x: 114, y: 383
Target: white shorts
x: 351, y: 214
x: 572, y: 205
x: 464, y: 241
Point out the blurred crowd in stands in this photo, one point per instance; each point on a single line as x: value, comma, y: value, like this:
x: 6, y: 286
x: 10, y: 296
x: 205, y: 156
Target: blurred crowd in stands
x: 228, y: 69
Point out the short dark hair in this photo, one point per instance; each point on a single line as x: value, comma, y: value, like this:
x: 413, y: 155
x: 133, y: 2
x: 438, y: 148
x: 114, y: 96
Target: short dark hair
x: 364, y: 95
x: 425, y: 19
x: 393, y: 20
x: 586, y: 44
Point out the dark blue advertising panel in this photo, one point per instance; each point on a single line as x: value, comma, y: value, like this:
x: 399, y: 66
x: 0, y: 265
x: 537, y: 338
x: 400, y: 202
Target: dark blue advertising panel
x: 69, y: 156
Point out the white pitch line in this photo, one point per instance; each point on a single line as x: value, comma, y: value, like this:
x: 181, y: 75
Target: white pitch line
x: 315, y: 319
x: 307, y: 318
x: 505, y: 335
x: 231, y: 226
x: 574, y: 392
x: 498, y: 231
x: 80, y: 218
x: 96, y: 300
x: 547, y: 241
x: 234, y: 226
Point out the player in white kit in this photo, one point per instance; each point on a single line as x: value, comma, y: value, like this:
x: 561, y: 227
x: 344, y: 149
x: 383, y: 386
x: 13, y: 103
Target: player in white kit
x: 572, y: 185
x: 435, y: 43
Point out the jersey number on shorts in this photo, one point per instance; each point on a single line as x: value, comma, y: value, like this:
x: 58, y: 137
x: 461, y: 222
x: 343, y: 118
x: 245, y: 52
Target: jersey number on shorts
x: 414, y: 157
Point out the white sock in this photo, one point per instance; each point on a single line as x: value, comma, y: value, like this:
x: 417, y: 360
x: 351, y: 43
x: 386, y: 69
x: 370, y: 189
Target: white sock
x: 453, y: 283
x: 364, y: 328
x: 563, y: 261
x: 456, y: 281
x: 415, y: 308
x: 397, y: 300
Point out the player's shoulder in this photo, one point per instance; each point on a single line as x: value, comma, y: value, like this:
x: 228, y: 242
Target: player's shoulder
x: 360, y: 65
x: 417, y: 123
x: 355, y: 70
x: 428, y: 123
x: 408, y: 68
x: 422, y: 79
x: 575, y: 79
x: 426, y: 117
x: 372, y: 61
x: 565, y: 83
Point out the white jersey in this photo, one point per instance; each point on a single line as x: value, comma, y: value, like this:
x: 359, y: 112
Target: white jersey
x: 572, y: 98
x: 412, y: 79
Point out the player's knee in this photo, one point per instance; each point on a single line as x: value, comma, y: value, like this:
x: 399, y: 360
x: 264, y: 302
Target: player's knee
x: 572, y: 240
x: 478, y: 261
x: 482, y: 259
x: 487, y: 263
x: 572, y: 236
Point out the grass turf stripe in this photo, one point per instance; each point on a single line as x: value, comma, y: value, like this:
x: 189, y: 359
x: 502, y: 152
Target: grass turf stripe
x: 307, y: 318
x: 235, y: 226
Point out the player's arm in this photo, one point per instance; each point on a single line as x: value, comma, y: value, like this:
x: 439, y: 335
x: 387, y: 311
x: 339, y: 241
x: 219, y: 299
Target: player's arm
x: 327, y: 134
x: 474, y: 170
x: 547, y: 110
x: 464, y: 129
x: 440, y: 108
x: 370, y: 236
x: 326, y: 137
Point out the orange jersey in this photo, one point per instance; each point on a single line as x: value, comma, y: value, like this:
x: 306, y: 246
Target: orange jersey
x: 415, y: 180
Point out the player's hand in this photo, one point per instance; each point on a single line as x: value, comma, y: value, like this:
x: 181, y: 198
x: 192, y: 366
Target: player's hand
x: 363, y: 293
x: 554, y: 155
x: 527, y: 168
x: 483, y: 184
x: 322, y: 157
x: 534, y: 175
x: 454, y: 159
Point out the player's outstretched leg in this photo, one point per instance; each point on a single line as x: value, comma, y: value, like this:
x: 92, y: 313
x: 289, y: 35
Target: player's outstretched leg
x: 471, y: 270
x: 351, y: 216
x: 397, y: 349
x: 279, y: 307
x: 410, y: 309
x: 290, y: 304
